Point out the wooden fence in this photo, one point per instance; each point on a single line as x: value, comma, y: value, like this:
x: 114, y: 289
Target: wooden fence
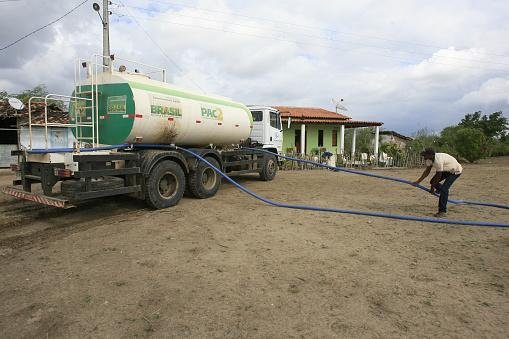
x: 358, y: 160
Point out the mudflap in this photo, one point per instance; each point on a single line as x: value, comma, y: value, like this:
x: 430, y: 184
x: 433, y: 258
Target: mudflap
x: 36, y: 197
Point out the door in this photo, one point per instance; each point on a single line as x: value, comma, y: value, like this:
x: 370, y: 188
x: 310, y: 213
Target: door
x: 297, y: 141
x: 275, y: 131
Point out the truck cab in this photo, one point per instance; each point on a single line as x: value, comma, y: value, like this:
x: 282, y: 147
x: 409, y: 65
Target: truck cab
x: 267, y: 128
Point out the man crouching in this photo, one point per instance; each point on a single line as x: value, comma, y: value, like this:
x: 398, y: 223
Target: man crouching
x: 448, y: 169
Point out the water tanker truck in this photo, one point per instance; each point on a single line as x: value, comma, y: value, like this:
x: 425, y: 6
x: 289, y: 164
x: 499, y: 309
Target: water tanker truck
x: 130, y: 134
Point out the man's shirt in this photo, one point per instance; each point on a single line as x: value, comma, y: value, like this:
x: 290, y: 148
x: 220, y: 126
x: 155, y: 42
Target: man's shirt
x: 445, y: 163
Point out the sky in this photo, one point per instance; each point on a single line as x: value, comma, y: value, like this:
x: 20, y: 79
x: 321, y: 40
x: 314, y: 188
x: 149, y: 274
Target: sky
x: 408, y: 63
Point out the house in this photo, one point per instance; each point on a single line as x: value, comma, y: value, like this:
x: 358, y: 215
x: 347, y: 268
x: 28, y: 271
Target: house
x: 392, y: 137
x: 8, y: 132
x: 15, y: 130
x: 306, y: 129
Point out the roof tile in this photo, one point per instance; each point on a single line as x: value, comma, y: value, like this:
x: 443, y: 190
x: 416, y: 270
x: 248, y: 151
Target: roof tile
x: 309, y: 112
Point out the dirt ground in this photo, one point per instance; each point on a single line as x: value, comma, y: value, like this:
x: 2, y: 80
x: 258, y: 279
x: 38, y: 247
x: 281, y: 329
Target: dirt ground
x: 232, y: 267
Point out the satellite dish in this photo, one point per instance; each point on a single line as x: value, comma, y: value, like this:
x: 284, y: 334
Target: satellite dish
x: 339, y: 106
x: 16, y: 103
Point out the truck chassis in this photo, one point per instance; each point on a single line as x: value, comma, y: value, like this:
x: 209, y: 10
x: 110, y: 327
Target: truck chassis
x: 158, y: 176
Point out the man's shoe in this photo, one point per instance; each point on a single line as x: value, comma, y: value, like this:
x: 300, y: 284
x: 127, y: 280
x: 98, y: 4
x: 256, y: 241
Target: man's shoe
x: 440, y: 215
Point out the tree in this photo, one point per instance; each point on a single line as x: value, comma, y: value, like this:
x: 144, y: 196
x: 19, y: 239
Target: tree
x: 448, y: 140
x: 424, y: 138
x: 363, y: 141
x: 494, y: 125
x: 471, y: 144
x: 391, y: 149
x: 37, y: 91
x: 461, y: 142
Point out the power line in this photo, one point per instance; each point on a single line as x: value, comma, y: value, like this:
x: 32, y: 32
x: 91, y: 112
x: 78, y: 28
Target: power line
x: 162, y: 50
x: 43, y: 27
x: 391, y: 56
x: 333, y: 31
x: 330, y: 39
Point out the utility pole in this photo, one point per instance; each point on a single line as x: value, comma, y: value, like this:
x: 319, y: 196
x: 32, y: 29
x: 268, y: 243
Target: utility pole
x: 106, y: 33
x: 105, y: 19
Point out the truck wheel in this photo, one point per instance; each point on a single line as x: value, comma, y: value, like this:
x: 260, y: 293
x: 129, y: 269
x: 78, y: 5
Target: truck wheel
x: 269, y: 169
x: 165, y: 185
x: 205, y: 181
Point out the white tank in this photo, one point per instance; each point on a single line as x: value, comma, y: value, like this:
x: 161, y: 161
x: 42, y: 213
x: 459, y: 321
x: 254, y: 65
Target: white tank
x: 134, y: 108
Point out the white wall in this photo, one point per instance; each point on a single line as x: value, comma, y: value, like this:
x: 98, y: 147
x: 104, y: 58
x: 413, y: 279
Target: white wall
x: 57, y: 137
x: 5, y: 155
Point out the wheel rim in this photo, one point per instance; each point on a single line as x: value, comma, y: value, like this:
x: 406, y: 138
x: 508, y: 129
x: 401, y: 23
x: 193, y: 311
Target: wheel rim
x: 271, y: 166
x: 208, y: 178
x: 168, y: 185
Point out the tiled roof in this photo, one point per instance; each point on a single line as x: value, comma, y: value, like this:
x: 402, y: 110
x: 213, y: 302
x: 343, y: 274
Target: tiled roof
x: 309, y: 113
x: 347, y: 123
x: 55, y: 113
x: 312, y: 115
x: 396, y: 134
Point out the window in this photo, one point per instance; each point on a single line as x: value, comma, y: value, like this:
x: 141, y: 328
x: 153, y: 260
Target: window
x: 274, y: 120
x: 334, y: 137
x: 320, y: 138
x: 257, y: 115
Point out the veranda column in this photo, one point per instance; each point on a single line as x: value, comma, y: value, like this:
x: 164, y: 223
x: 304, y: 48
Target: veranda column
x: 303, y: 139
x: 342, y: 140
x: 377, y: 136
x: 354, y: 140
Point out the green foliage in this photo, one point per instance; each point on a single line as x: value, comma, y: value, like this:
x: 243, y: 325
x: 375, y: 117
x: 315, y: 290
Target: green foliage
x: 448, y: 141
x: 424, y: 138
x: 37, y: 91
x: 363, y: 141
x: 464, y: 142
x: 471, y: 144
x: 499, y: 147
x: 477, y: 136
x: 391, y: 149
x: 494, y: 125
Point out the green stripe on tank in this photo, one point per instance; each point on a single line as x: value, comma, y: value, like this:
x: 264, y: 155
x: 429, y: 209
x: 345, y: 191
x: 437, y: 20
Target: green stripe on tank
x: 186, y: 95
x: 114, y: 127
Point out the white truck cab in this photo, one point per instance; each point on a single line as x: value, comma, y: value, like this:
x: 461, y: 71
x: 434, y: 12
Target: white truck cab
x: 267, y: 128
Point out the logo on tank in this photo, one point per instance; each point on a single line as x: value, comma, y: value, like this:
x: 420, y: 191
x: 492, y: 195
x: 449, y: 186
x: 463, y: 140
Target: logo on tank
x: 117, y: 104
x: 212, y: 113
x: 166, y: 106
x: 78, y: 109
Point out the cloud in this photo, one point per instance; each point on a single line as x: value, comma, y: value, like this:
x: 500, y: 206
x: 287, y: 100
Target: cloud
x: 409, y: 64
x: 491, y: 95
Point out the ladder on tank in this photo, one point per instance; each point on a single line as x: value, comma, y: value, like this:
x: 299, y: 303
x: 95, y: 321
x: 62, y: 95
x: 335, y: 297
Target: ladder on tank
x: 87, y: 90
x: 83, y: 108
x: 46, y: 124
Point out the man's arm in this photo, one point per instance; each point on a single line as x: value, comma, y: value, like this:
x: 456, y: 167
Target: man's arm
x: 424, y: 175
x: 435, y: 180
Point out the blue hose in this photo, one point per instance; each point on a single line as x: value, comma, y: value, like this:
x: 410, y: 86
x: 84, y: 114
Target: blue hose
x: 67, y: 150
x: 300, y: 207
x: 338, y: 210
x: 465, y: 202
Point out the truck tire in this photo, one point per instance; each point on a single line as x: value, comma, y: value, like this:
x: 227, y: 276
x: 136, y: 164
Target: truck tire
x: 269, y: 168
x: 205, y: 181
x: 165, y: 185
